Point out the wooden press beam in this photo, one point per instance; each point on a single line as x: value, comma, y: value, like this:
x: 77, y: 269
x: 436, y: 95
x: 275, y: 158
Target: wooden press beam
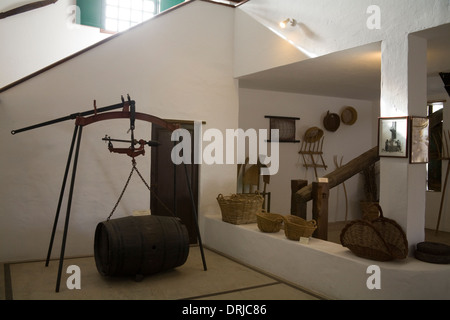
x: 298, y: 209
x: 321, y: 193
x: 342, y: 174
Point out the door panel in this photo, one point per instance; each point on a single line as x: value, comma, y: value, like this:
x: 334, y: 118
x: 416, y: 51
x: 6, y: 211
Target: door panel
x: 171, y: 194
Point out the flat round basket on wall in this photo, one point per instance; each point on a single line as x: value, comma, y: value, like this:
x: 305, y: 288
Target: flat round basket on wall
x: 332, y: 122
x: 349, y: 116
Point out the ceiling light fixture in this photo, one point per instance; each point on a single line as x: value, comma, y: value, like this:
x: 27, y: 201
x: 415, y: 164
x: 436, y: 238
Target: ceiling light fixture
x: 283, y: 24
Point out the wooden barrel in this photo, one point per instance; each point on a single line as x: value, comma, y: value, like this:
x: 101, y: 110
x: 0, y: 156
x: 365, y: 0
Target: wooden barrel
x: 140, y: 245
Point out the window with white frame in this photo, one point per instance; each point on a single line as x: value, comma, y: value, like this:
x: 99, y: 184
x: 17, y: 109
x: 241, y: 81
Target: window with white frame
x: 123, y: 14
x: 119, y: 15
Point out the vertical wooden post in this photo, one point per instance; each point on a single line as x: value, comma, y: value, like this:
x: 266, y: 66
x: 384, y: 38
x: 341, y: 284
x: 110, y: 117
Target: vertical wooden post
x: 298, y: 208
x: 320, y: 194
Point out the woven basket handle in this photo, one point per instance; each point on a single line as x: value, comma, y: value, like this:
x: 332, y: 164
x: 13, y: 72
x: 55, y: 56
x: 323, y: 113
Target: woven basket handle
x: 379, y: 209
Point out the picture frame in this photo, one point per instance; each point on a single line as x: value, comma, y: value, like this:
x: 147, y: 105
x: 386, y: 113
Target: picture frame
x: 393, y: 137
x: 419, y: 139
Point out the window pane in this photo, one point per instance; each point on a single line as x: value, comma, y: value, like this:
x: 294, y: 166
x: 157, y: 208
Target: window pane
x: 123, y: 25
x: 149, y: 5
x: 147, y: 15
x: 438, y: 106
x: 124, y: 14
x: 125, y: 3
x: 111, y: 12
x: 136, y: 16
x: 136, y: 4
x: 111, y: 24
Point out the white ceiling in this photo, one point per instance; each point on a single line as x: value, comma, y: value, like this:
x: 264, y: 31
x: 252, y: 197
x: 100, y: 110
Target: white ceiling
x: 353, y: 73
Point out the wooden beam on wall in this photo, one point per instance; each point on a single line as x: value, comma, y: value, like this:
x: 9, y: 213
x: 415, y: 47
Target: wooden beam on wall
x: 26, y: 7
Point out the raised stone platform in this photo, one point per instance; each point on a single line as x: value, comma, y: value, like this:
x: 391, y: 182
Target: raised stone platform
x: 326, y: 268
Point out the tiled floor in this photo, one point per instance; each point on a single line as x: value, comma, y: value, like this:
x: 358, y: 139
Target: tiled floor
x: 224, y: 280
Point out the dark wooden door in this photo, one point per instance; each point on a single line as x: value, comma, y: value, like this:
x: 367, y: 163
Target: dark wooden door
x: 169, y: 183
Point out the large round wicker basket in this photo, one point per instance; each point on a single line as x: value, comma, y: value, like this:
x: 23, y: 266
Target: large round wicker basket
x: 381, y: 239
x: 269, y: 222
x: 296, y: 227
x: 240, y: 208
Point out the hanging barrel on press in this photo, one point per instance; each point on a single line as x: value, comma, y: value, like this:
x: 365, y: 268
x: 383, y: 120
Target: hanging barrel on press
x: 140, y: 245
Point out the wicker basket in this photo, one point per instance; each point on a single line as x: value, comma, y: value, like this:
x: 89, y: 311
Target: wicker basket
x: 369, y: 210
x: 269, y: 222
x: 296, y: 227
x: 381, y: 239
x: 240, y: 208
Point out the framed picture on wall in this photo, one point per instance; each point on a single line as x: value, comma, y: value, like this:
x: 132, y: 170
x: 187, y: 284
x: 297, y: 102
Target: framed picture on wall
x: 393, y: 137
x: 420, y: 140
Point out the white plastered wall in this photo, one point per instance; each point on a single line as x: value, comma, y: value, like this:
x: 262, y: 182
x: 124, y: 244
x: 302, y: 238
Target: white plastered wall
x: 344, y: 22
x: 346, y: 143
x: 330, y: 26
x: 35, y: 39
x: 172, y: 66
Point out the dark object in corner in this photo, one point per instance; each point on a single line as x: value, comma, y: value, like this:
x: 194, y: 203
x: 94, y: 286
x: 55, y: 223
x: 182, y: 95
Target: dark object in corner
x: 432, y: 252
x: 446, y: 79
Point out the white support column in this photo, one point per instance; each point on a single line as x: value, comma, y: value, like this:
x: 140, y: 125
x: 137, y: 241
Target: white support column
x: 404, y: 93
